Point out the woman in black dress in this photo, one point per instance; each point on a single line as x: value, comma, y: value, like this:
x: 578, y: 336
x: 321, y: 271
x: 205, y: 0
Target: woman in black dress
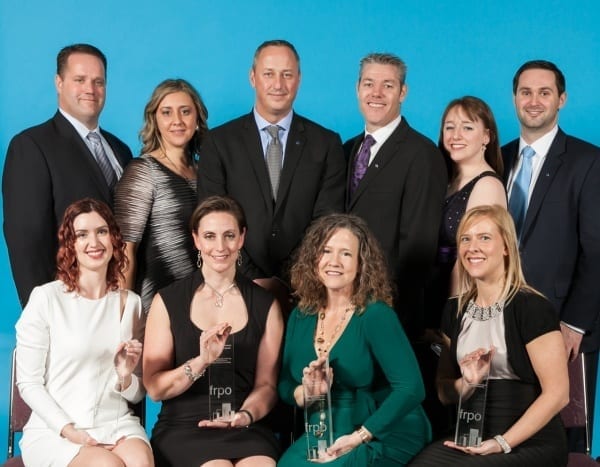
x: 188, y: 326
x: 499, y: 315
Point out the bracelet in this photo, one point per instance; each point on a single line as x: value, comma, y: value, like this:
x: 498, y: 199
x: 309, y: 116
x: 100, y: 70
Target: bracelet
x: 365, y: 436
x: 193, y: 377
x: 247, y: 412
x: 503, y: 444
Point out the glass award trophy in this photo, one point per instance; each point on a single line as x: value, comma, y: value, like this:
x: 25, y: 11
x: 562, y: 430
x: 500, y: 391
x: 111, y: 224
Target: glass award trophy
x: 471, y: 409
x: 221, y: 385
x: 317, y: 413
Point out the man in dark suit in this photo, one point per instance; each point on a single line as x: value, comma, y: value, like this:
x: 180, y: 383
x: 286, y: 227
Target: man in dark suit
x: 397, y: 183
x: 56, y: 163
x: 284, y: 169
x: 559, y: 227
x: 553, y: 182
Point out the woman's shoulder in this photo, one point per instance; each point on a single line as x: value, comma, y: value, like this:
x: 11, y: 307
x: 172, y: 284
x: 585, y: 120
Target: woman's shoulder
x: 529, y: 300
x: 377, y: 310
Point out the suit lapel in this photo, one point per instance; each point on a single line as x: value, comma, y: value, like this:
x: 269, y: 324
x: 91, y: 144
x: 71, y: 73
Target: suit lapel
x: 544, y: 181
x: 510, y: 158
x: 293, y: 151
x: 83, y: 154
x: 251, y: 144
x: 385, y: 154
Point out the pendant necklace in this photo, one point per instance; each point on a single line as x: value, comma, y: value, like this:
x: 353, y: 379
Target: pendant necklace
x: 323, y: 346
x: 219, y: 296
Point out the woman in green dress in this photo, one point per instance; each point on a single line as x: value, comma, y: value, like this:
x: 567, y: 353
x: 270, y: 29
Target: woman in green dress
x: 344, y: 315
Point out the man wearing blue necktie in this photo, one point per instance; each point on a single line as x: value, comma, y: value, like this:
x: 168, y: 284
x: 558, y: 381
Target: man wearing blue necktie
x: 558, y: 218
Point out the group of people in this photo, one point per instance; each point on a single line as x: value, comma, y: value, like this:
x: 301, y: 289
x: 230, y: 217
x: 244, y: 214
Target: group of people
x: 371, y: 237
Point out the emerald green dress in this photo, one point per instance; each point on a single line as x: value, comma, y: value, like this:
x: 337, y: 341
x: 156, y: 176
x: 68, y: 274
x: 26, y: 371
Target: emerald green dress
x: 376, y: 383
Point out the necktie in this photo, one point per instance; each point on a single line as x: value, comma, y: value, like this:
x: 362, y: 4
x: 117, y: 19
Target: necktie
x: 274, y: 157
x: 362, y: 162
x: 518, y: 202
x: 102, y: 159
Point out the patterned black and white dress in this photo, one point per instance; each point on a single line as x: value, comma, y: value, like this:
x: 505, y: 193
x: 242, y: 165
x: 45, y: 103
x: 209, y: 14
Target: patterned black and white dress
x: 153, y: 206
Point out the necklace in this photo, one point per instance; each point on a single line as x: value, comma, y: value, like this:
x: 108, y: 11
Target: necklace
x: 324, y: 345
x: 178, y: 170
x: 484, y: 313
x: 219, y: 296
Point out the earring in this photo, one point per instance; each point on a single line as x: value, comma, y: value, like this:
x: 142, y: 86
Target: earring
x: 199, y: 260
x: 240, y: 260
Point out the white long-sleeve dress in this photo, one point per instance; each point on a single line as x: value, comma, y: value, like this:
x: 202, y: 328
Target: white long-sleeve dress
x: 65, y: 370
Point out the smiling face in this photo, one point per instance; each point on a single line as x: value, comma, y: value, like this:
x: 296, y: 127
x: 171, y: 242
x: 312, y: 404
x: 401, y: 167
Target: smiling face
x: 380, y: 94
x: 275, y: 77
x: 93, y: 242
x: 482, y: 251
x: 176, y: 120
x: 82, y: 88
x: 537, y: 102
x: 338, y: 265
x: 218, y: 238
x: 464, y: 138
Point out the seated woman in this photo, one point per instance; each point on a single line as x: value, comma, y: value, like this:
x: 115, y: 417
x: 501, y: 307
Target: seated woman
x: 528, y: 381
x: 156, y: 195
x: 344, y: 314
x: 189, y: 324
x: 78, y: 345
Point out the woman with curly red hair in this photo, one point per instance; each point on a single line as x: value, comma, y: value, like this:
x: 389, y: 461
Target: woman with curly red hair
x: 78, y: 349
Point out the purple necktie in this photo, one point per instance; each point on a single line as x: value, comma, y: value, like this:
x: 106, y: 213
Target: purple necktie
x: 362, y: 162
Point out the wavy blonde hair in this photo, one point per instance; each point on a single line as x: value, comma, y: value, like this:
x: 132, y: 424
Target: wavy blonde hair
x: 372, y: 282
x: 514, y: 280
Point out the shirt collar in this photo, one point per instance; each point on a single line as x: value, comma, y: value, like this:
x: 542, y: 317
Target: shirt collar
x: 80, y: 127
x: 541, y: 146
x: 284, y: 123
x: 383, y: 133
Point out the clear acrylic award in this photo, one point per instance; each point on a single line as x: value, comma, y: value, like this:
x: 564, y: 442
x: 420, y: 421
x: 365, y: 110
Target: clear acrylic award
x: 471, y: 408
x: 221, y: 385
x: 317, y: 413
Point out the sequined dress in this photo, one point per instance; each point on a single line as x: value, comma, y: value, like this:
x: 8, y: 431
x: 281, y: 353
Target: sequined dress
x: 455, y: 206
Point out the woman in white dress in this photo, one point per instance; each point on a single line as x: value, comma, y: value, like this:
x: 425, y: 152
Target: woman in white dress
x: 78, y: 349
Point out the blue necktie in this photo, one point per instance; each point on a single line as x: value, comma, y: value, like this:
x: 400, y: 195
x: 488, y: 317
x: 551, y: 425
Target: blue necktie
x: 518, y: 202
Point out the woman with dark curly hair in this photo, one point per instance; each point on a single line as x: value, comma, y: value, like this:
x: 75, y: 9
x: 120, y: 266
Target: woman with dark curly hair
x: 344, y: 315
x: 157, y: 193
x: 78, y: 349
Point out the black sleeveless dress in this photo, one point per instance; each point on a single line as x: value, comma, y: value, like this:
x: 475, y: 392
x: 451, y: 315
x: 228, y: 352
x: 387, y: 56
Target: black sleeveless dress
x: 454, y: 209
x: 177, y: 440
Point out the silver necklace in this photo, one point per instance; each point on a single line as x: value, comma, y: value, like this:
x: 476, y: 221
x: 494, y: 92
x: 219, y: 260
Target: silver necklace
x: 219, y: 296
x: 484, y: 313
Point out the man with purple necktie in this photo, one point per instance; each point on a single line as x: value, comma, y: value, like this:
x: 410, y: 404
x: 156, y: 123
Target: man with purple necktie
x: 397, y: 183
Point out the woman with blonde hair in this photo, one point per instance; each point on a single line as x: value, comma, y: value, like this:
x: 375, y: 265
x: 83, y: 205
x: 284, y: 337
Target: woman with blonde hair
x: 501, y: 326
x: 157, y: 193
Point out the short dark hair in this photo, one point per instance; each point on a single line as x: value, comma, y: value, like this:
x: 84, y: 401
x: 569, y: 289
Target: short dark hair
x: 218, y: 203
x: 66, y: 52
x: 275, y: 43
x: 561, y: 84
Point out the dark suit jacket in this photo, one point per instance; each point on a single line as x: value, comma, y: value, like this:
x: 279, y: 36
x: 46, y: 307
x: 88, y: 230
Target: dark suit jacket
x: 47, y: 168
x: 401, y: 198
x: 560, y: 243
x: 232, y: 162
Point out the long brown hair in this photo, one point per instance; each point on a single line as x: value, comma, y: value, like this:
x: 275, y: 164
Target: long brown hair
x: 372, y: 281
x: 66, y: 259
